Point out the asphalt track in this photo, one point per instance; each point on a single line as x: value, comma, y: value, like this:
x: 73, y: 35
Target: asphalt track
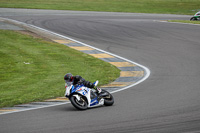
x: 168, y: 101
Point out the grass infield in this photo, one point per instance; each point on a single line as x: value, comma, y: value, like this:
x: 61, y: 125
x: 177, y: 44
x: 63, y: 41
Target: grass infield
x: 138, y: 6
x: 32, y: 69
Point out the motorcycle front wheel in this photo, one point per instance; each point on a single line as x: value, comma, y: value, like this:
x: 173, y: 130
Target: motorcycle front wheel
x: 79, y: 104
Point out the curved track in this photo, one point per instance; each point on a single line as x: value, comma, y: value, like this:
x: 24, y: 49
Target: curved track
x: 168, y: 101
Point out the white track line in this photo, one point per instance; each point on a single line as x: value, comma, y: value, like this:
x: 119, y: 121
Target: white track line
x: 34, y: 108
x: 53, y: 33
x: 163, y: 21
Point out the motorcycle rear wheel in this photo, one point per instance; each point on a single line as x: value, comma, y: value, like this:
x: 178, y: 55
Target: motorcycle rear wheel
x: 79, y: 104
x: 108, y: 100
x: 193, y: 18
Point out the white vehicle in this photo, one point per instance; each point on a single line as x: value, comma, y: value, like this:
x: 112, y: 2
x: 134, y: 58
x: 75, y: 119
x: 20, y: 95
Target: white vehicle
x: 82, y: 97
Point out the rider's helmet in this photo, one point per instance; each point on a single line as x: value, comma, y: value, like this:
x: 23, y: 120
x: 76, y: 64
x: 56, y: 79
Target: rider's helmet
x: 68, y: 77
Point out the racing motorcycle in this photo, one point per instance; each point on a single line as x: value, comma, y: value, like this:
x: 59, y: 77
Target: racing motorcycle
x: 83, y: 97
x: 195, y: 17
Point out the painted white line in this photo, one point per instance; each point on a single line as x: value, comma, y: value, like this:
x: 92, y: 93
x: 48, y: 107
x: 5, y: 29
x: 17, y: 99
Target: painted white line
x: 53, y: 33
x: 145, y: 68
x: 163, y: 21
x: 34, y: 108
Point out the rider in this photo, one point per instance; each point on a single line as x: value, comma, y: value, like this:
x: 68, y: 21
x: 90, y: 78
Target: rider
x: 79, y: 80
x: 197, y: 14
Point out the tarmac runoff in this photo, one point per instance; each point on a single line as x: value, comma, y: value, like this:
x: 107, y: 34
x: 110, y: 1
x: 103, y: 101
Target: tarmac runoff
x: 131, y: 73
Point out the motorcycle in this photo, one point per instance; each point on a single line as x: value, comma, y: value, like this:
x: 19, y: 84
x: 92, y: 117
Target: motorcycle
x: 195, y: 17
x: 82, y: 97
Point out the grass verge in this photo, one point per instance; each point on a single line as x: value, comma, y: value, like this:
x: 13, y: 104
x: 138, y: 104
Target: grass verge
x: 32, y: 69
x: 185, y: 21
x: 139, y: 6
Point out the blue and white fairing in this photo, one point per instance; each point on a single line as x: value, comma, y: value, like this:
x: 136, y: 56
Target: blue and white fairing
x: 91, y: 97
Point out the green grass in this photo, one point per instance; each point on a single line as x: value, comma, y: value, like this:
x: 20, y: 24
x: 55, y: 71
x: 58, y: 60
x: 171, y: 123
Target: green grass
x: 138, y: 6
x: 185, y: 21
x: 32, y: 69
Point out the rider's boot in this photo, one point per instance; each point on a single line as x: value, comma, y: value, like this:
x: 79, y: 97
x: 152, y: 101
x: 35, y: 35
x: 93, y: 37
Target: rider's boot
x: 98, y: 89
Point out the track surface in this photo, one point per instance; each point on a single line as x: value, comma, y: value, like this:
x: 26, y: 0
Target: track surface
x: 168, y: 101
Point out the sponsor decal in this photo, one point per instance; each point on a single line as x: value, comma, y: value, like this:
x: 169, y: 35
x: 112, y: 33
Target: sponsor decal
x: 79, y: 89
x: 94, y: 102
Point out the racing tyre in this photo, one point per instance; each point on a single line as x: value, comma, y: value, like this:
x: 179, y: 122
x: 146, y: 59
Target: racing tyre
x: 193, y: 18
x: 109, y: 99
x: 79, y: 104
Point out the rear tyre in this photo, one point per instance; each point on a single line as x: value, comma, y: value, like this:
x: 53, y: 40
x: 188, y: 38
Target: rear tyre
x: 193, y: 18
x: 109, y: 99
x: 79, y: 104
